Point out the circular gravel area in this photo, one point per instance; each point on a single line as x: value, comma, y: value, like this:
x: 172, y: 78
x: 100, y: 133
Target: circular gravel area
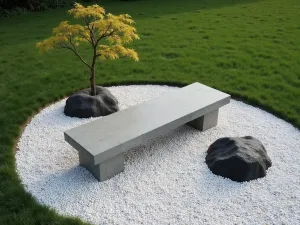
x: 166, y: 180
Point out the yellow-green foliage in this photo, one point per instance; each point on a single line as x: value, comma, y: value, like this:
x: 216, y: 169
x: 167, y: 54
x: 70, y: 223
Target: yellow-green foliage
x: 116, y: 30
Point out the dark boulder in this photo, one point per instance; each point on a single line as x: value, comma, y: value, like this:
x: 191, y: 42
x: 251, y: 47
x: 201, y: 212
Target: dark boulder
x: 239, y: 159
x: 83, y: 105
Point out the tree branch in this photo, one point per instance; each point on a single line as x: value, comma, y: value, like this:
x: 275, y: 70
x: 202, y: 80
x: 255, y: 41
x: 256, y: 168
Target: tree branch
x: 85, y: 38
x: 74, y: 49
x: 111, y: 33
x: 103, y: 35
x: 87, y: 23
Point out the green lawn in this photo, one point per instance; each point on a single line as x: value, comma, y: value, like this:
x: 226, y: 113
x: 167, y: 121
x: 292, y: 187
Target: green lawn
x: 248, y: 48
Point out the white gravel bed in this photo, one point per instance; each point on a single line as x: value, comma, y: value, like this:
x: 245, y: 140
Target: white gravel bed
x: 166, y: 180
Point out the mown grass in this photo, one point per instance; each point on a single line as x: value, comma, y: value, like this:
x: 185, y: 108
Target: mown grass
x: 250, y: 49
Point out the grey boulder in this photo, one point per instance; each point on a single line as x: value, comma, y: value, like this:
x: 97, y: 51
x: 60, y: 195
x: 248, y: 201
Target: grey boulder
x: 239, y: 158
x: 83, y: 105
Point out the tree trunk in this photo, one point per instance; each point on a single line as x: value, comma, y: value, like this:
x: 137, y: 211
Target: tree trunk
x: 92, y: 79
x: 92, y: 82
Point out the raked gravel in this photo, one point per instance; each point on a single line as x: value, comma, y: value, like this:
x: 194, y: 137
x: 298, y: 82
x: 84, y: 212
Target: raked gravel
x: 166, y: 180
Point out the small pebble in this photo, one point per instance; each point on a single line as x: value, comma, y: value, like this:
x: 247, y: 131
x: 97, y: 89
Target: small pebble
x: 166, y: 180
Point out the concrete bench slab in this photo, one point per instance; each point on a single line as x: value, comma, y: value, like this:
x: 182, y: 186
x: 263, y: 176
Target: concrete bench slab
x: 103, y: 142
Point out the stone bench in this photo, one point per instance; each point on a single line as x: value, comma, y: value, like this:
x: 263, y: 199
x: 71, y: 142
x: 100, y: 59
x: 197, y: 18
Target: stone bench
x: 103, y: 142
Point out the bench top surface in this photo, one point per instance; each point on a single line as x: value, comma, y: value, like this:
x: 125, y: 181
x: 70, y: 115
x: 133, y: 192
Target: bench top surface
x: 113, y: 130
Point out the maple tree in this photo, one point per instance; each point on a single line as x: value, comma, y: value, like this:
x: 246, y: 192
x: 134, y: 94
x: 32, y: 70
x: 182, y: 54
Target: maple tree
x: 113, y: 30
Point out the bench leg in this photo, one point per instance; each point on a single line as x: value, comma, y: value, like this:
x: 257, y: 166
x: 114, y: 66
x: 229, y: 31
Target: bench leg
x: 104, y: 170
x: 205, y: 122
